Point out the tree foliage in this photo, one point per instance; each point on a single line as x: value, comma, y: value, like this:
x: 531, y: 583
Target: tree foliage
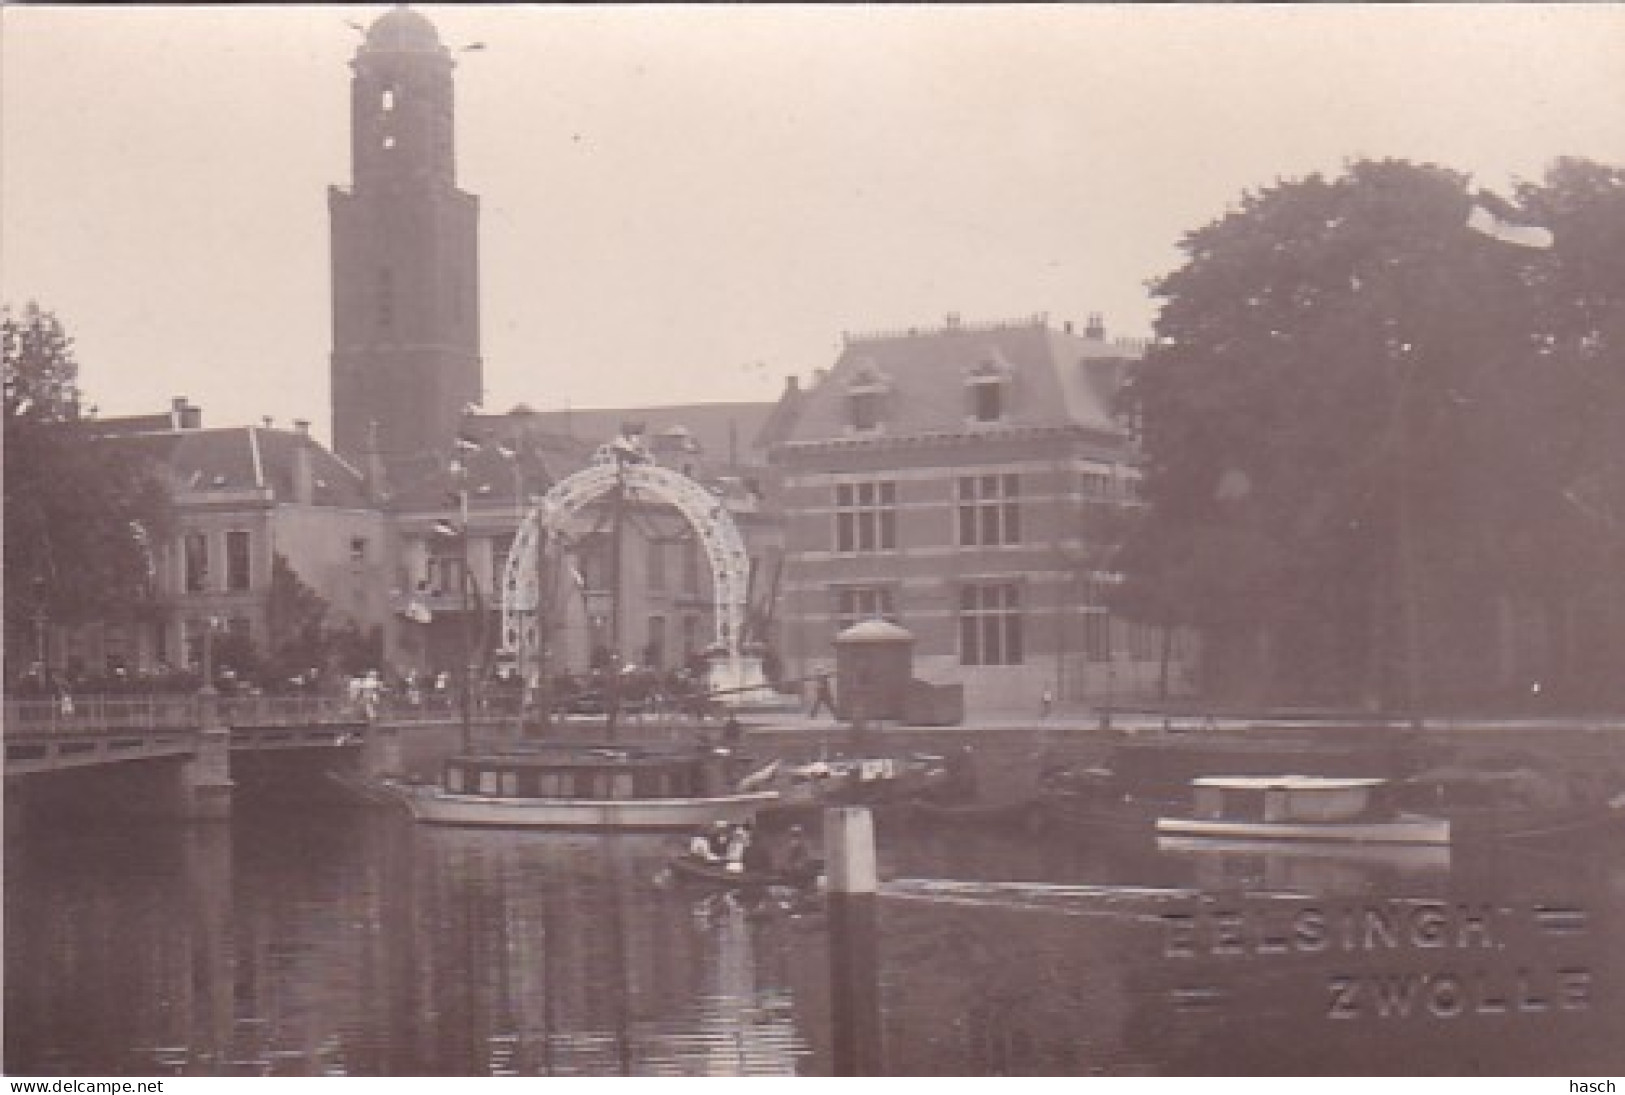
x: 1359, y: 413
x: 81, y: 524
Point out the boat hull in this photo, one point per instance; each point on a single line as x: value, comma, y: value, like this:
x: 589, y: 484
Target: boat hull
x: 1409, y: 829
x: 434, y: 806
x: 717, y: 875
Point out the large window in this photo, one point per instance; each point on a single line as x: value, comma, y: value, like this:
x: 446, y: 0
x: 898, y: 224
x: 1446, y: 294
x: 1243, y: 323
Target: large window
x: 855, y: 603
x: 195, y: 552
x: 865, y: 517
x: 989, y: 510
x: 656, y: 566
x: 990, y: 624
x: 238, y: 561
x: 691, y: 566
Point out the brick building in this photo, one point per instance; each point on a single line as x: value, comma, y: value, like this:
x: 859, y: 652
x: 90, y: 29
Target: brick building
x: 968, y: 482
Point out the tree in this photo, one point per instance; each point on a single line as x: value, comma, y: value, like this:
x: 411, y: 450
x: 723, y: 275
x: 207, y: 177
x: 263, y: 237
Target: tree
x: 1354, y: 419
x: 81, y: 522
x: 302, y: 638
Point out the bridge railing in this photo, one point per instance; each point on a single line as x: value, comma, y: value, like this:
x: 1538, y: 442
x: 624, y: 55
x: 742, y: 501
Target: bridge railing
x: 88, y: 714
x: 99, y: 712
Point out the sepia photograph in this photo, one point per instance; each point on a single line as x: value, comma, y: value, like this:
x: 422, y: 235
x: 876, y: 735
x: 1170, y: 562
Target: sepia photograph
x: 813, y: 540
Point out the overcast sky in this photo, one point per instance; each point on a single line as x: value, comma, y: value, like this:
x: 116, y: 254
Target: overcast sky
x: 686, y: 204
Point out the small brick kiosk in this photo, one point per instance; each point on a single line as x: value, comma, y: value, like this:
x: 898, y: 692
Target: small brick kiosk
x: 874, y: 662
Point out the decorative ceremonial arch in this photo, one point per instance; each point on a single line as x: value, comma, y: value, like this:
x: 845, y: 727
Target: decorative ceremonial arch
x: 624, y: 463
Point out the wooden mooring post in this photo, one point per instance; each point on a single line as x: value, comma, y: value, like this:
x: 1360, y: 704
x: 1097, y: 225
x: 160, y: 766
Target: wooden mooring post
x: 854, y: 959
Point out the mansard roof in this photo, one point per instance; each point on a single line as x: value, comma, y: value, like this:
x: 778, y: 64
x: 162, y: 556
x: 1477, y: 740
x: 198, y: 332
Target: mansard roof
x: 239, y: 458
x: 1055, y: 378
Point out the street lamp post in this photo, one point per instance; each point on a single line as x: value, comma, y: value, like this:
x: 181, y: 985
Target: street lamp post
x: 459, y: 532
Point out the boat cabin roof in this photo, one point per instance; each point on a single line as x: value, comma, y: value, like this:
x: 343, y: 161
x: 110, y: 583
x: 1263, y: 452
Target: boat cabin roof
x: 580, y: 758
x: 1287, y: 783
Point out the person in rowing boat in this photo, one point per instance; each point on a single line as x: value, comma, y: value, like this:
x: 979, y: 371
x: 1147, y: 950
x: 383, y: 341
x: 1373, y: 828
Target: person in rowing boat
x: 738, y: 839
x: 710, y: 845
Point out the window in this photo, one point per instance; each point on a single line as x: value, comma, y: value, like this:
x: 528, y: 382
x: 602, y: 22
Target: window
x: 388, y: 100
x: 987, y: 401
x: 442, y: 573
x: 987, y: 388
x: 865, y: 517
x: 358, y: 549
x: 1097, y: 484
x: 867, y: 392
x: 990, y: 624
x: 501, y: 548
x: 195, y: 548
x: 855, y: 603
x: 657, y: 566
x: 654, y: 651
x: 691, y: 566
x: 238, y: 561
x: 1097, y: 634
x: 989, y: 510
x: 866, y: 410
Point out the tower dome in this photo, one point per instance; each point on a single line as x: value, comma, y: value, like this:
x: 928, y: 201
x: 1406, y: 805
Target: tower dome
x: 402, y: 30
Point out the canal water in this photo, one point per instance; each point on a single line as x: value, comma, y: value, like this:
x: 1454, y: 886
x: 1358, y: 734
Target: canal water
x: 351, y: 942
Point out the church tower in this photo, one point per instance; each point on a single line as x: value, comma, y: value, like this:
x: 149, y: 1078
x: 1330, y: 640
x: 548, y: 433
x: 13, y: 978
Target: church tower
x: 406, y: 330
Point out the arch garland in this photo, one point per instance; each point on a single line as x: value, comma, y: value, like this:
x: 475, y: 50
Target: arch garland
x: 624, y: 463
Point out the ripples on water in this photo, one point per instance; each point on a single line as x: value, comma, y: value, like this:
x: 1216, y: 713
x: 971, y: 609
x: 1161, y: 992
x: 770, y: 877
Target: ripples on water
x: 334, y: 942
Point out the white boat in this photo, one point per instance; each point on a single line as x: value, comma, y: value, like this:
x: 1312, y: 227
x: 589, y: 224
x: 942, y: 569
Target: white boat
x: 1301, y: 808
x: 576, y: 787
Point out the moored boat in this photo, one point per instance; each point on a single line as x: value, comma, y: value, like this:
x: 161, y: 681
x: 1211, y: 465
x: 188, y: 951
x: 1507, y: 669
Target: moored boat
x: 1301, y: 808
x: 584, y: 787
x: 1486, y: 804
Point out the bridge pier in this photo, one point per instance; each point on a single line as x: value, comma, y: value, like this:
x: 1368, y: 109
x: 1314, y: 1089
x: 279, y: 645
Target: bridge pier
x: 203, y: 783
x: 381, y: 754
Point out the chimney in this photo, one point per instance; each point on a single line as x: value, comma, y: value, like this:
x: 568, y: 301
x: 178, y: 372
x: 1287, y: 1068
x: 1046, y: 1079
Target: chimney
x: 304, y: 477
x: 301, y: 426
x: 953, y: 321
x: 792, y: 384
x: 1096, y: 328
x: 1067, y: 326
x: 177, y: 413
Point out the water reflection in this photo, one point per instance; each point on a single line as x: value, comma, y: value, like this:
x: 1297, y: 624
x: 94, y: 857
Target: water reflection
x: 348, y: 942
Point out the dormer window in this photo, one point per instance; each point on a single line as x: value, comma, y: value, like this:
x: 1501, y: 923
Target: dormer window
x: 867, y: 392
x: 987, y: 389
x: 987, y: 400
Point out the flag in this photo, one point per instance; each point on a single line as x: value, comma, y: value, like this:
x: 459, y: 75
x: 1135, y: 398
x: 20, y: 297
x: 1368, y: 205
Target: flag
x: 1492, y: 217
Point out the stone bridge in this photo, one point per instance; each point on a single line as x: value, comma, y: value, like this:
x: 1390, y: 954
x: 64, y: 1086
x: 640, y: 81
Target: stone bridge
x: 196, y: 733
